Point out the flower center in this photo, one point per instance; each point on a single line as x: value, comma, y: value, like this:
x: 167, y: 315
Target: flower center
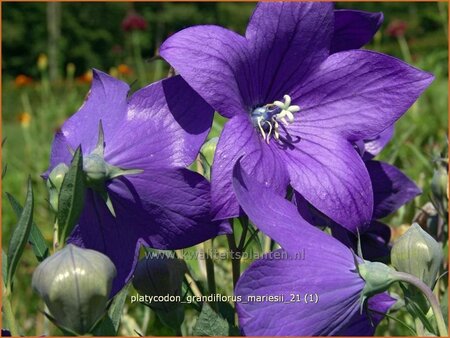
x: 266, y: 118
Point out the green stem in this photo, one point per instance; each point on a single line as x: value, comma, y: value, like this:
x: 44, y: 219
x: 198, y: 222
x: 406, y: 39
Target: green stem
x: 138, y: 56
x: 235, y: 257
x: 267, y: 244
x: 55, y: 236
x: 8, y: 313
x: 244, y: 223
x: 208, y: 248
x: 431, y: 297
x: 419, y: 327
x: 404, y: 48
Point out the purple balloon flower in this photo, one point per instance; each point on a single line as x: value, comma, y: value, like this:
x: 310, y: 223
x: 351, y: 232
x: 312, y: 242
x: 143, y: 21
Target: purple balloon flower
x: 156, y: 132
x: 325, y: 272
x: 391, y: 190
x: 295, y: 109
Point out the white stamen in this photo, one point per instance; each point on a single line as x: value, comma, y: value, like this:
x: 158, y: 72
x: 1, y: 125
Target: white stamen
x: 261, y: 128
x: 287, y: 112
x: 270, y: 132
x: 293, y: 109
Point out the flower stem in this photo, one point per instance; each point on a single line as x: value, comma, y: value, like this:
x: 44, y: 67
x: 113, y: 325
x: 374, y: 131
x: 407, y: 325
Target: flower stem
x: 136, y: 42
x: 431, y: 297
x: 235, y: 256
x: 208, y: 248
x: 8, y: 312
x: 404, y: 48
x: 55, y: 236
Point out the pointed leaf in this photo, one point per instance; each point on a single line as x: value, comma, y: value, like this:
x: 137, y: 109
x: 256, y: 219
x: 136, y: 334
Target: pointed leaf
x: 209, y: 323
x: 116, y: 308
x: 4, y: 266
x: 71, y: 196
x: 36, y: 239
x: 20, y: 234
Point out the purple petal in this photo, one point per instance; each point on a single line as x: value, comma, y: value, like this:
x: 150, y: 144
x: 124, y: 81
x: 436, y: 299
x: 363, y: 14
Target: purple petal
x: 288, y: 40
x: 115, y: 237
x: 374, y: 146
x: 361, y: 324
x: 391, y: 188
x: 353, y: 29
x: 171, y: 207
x: 239, y: 138
x: 374, y: 241
x: 106, y: 101
x: 215, y: 62
x: 278, y: 218
x: 332, y: 278
x: 165, y: 125
x: 60, y: 153
x: 164, y: 209
x: 329, y: 173
x: 357, y: 94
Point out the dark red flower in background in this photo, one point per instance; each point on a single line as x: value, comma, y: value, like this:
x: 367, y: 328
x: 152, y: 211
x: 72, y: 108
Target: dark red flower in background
x: 133, y: 21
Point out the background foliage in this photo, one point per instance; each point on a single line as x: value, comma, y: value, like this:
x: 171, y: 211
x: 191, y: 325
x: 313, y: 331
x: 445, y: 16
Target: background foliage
x: 34, y: 106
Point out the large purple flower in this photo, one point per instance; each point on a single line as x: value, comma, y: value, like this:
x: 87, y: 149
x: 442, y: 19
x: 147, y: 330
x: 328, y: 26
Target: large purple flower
x: 311, y: 263
x: 295, y: 109
x: 156, y: 132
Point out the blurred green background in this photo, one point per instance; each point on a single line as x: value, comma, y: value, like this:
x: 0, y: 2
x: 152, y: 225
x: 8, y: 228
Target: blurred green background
x: 49, y: 49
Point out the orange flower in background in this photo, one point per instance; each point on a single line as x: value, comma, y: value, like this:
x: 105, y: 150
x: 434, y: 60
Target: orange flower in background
x: 124, y: 69
x: 85, y: 78
x: 24, y: 119
x: 22, y: 80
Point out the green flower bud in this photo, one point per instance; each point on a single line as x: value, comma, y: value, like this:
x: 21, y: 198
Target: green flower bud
x: 159, y: 275
x: 208, y: 150
x: 439, y: 184
x: 418, y: 254
x: 54, y: 182
x: 378, y: 278
x: 75, y: 284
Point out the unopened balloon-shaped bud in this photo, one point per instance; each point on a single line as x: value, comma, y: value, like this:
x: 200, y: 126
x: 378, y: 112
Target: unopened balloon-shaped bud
x: 54, y: 182
x: 160, y: 279
x: 159, y: 275
x: 208, y: 150
x: 439, y: 184
x: 75, y: 284
x: 377, y: 276
x: 418, y: 254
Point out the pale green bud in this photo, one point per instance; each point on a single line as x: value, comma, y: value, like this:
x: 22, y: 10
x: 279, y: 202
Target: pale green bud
x: 208, y: 150
x: 54, y: 182
x: 439, y: 184
x: 75, y: 284
x: 418, y: 254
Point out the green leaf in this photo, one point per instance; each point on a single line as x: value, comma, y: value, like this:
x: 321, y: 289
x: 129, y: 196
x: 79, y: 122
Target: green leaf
x: 20, y: 234
x: 4, y: 266
x: 116, y: 308
x: 209, y: 323
x: 444, y: 306
x: 71, y: 196
x: 36, y: 239
x: 104, y: 327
